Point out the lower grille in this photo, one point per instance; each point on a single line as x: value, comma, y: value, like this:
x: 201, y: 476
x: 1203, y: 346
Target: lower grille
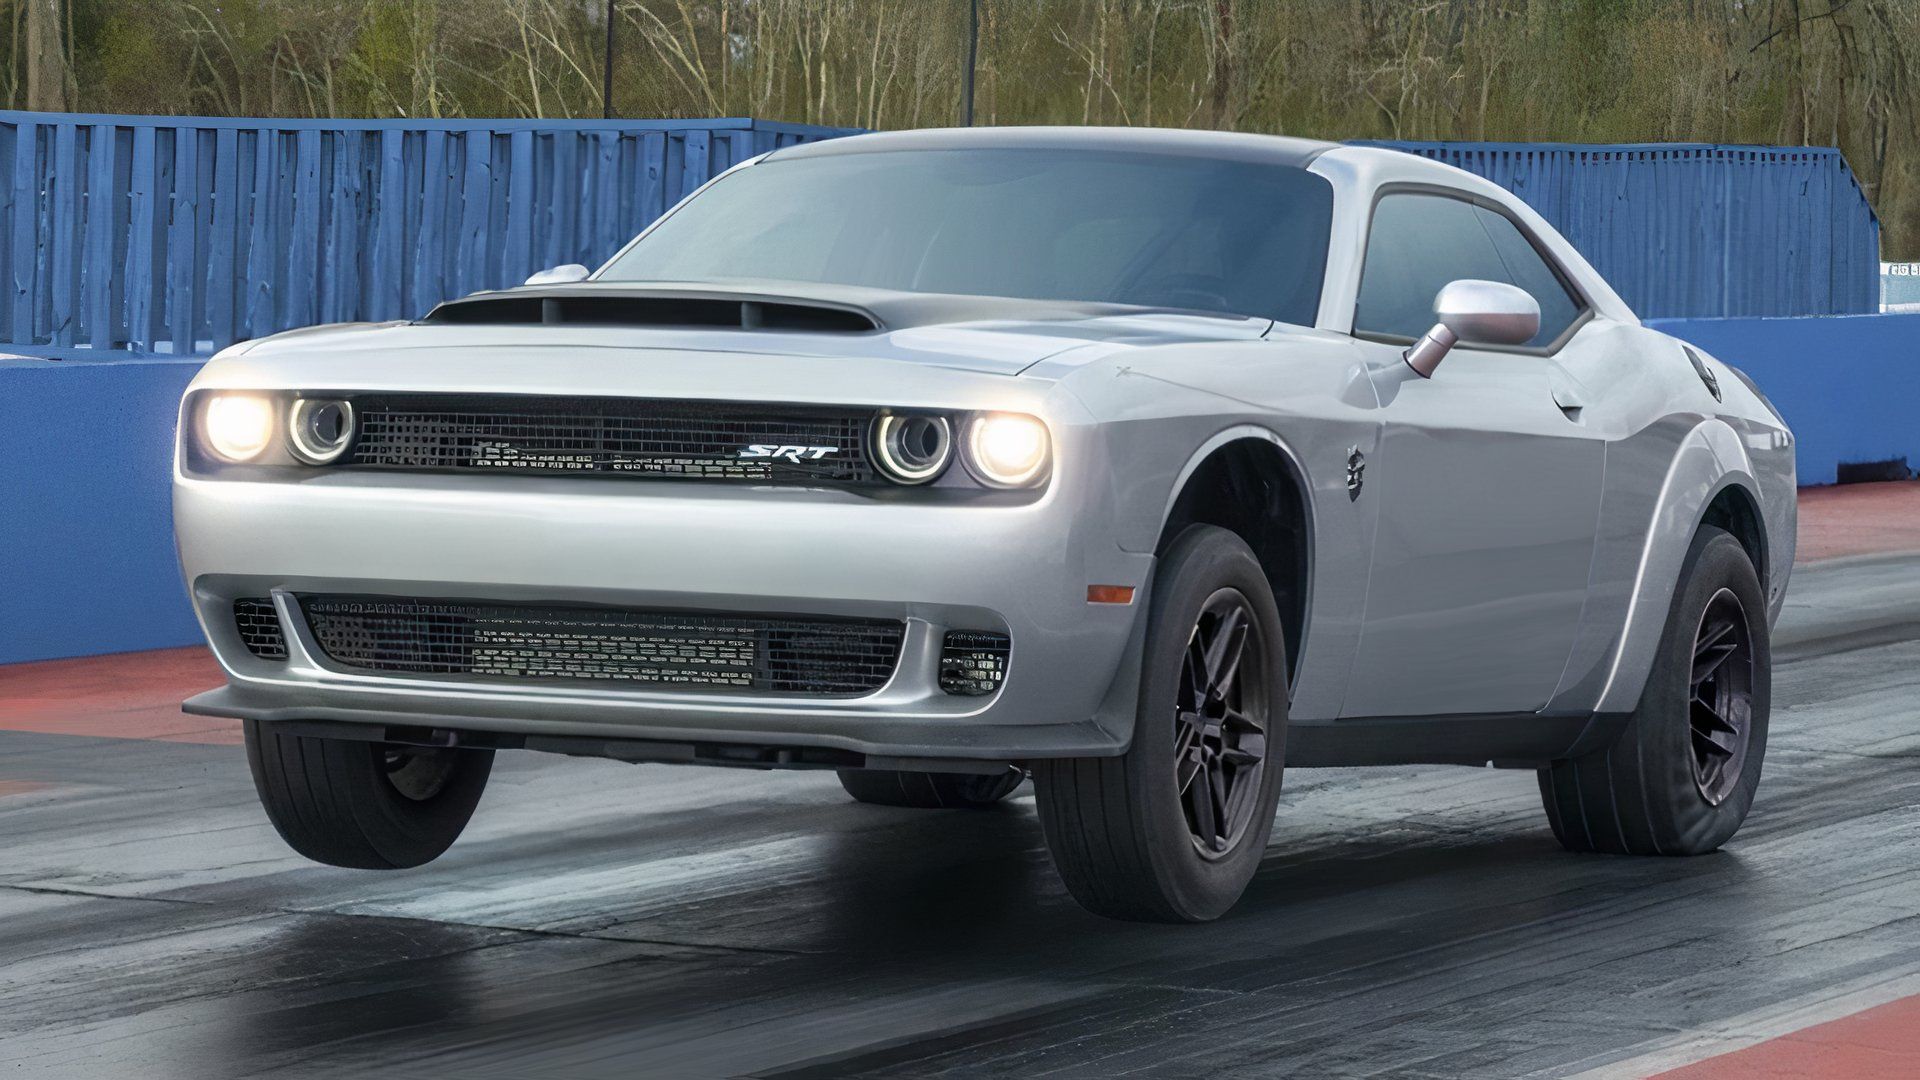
x: 615, y: 437
x: 259, y: 627
x: 825, y: 657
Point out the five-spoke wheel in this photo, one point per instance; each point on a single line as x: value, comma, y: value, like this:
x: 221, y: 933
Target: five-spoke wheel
x: 1174, y: 829
x: 1680, y: 779
x: 1220, y: 723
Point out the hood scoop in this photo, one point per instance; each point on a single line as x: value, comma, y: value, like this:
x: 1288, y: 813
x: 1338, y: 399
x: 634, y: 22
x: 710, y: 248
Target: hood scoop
x: 794, y: 307
x: 632, y: 309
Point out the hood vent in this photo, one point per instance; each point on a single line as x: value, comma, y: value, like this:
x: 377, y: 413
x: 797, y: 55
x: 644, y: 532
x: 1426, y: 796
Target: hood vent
x: 723, y: 313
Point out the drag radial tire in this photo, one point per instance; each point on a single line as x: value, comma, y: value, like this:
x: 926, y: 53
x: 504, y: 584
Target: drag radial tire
x: 1680, y: 778
x: 366, y: 805
x: 929, y: 791
x: 1173, y: 830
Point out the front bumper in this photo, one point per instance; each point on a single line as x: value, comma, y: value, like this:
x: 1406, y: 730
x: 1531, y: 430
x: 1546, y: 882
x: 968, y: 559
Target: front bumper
x: 1023, y: 568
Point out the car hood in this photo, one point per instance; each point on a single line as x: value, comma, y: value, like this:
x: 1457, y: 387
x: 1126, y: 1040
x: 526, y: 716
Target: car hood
x: 989, y: 335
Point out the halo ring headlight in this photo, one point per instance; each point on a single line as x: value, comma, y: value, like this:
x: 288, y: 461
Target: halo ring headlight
x: 238, y: 426
x: 319, y: 429
x: 1008, y: 450
x: 912, y: 448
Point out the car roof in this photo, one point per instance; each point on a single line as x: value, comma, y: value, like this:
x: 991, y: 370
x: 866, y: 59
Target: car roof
x: 1228, y: 145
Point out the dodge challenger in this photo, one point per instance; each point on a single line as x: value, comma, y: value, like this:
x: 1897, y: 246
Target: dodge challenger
x: 1143, y: 464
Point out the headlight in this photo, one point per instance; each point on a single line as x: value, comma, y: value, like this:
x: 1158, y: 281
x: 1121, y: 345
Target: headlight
x: 238, y: 426
x: 319, y: 429
x: 1007, y: 450
x: 912, y: 448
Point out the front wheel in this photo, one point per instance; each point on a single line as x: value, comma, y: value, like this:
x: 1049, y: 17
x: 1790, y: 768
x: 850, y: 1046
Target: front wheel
x: 366, y: 805
x: 1173, y: 830
x: 1681, y: 777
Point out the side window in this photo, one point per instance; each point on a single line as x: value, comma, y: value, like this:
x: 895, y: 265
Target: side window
x: 1527, y: 268
x: 1418, y: 243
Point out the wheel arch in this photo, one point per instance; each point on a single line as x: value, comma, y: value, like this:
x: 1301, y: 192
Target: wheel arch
x: 1248, y: 481
x: 1735, y: 508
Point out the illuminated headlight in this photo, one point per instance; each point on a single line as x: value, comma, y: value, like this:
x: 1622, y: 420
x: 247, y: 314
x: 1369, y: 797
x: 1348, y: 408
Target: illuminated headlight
x: 1007, y: 450
x: 912, y: 448
x: 319, y: 429
x: 238, y: 426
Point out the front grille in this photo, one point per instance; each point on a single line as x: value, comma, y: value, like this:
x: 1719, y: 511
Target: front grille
x: 973, y: 663
x: 608, y: 645
x: 618, y: 437
x: 259, y: 627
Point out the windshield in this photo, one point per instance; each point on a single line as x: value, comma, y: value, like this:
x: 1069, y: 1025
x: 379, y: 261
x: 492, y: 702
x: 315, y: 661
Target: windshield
x: 1126, y: 228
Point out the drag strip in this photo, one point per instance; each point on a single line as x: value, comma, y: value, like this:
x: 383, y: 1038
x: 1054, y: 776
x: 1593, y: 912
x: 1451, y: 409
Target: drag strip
x: 601, y: 919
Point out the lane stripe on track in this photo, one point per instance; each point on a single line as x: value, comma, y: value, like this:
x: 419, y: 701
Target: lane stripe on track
x: 124, y: 696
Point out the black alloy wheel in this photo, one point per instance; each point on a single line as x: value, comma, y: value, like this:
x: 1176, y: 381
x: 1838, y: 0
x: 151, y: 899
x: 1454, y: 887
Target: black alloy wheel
x: 1220, y: 724
x: 1720, y: 699
x: 1680, y: 777
x: 1174, y: 828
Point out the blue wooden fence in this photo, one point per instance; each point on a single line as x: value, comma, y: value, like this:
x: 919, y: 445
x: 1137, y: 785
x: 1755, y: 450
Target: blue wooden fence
x: 182, y: 234
x: 1698, y: 230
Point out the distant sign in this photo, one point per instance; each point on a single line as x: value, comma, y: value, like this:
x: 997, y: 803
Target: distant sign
x: 1899, y: 286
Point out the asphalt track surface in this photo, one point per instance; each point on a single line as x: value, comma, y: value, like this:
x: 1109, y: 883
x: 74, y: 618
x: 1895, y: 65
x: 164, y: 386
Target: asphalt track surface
x: 602, y: 920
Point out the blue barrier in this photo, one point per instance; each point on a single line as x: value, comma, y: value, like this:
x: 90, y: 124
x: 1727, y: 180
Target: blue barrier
x: 86, y: 525
x: 1697, y: 230
x: 182, y: 234
x: 1847, y: 385
x: 87, y: 530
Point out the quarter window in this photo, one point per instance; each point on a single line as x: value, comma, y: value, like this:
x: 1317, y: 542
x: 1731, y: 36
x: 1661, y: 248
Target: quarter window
x: 1419, y: 243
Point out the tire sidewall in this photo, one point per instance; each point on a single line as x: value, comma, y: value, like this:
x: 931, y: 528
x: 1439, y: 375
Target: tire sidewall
x: 1201, y: 561
x: 1715, y: 561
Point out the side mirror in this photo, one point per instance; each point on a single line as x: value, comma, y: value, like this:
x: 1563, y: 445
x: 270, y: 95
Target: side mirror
x: 1478, y: 313
x: 560, y: 275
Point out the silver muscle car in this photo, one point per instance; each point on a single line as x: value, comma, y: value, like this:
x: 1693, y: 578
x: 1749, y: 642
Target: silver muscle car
x: 1144, y: 463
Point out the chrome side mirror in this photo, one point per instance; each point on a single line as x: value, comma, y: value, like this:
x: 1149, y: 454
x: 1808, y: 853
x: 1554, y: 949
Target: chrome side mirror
x: 560, y: 275
x: 1478, y: 313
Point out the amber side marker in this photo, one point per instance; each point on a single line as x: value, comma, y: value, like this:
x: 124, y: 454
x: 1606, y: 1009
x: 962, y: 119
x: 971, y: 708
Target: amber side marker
x: 1109, y: 594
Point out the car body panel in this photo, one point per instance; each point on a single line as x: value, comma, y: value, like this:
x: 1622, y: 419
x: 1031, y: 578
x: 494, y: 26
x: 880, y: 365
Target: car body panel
x: 1493, y: 587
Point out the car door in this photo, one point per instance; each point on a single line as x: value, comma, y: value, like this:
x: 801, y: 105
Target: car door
x: 1488, y: 480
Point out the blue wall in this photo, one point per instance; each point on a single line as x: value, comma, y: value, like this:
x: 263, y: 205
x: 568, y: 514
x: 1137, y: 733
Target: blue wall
x: 1698, y: 230
x: 1847, y: 385
x: 86, y: 529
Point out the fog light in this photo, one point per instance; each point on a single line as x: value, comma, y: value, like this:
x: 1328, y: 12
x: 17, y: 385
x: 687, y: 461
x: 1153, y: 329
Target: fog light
x: 238, y: 426
x: 1007, y: 450
x: 973, y: 663
x: 319, y: 429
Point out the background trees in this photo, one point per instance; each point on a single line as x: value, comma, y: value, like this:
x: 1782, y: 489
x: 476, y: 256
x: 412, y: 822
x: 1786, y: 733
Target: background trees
x: 1821, y: 72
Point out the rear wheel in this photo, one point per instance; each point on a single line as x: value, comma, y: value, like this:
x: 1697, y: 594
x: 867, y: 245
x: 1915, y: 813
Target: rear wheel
x: 929, y: 791
x: 1681, y: 777
x: 1173, y: 830
x: 366, y: 805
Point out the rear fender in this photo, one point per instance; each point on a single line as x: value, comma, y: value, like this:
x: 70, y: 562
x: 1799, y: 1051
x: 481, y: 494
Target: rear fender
x: 1710, y: 460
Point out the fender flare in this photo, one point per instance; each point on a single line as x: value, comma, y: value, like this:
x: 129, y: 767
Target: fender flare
x: 1710, y: 460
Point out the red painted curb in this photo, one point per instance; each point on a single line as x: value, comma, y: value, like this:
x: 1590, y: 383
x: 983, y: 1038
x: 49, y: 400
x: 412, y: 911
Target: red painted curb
x: 1879, y: 1044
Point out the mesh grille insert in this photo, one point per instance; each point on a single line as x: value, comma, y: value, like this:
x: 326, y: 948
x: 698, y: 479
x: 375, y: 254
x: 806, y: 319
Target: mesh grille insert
x: 528, y: 642
x: 973, y: 663
x: 618, y: 437
x: 259, y: 627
